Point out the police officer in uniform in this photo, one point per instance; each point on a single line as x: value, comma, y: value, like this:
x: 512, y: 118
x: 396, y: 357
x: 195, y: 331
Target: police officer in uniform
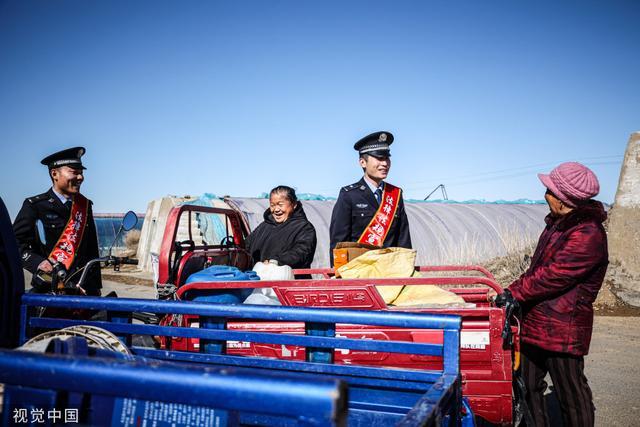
x: 358, y: 203
x: 53, y: 210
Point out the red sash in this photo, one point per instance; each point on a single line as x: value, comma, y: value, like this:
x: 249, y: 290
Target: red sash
x: 65, y: 250
x: 378, y: 228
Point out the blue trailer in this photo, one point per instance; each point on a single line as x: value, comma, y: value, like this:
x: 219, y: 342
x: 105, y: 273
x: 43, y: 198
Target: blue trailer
x: 107, y: 390
x: 263, y: 391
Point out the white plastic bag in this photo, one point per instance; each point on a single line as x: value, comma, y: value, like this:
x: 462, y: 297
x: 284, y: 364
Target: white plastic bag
x: 270, y: 271
x: 273, y: 271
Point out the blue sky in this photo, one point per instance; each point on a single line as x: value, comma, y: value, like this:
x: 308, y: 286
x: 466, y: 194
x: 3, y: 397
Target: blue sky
x: 234, y: 98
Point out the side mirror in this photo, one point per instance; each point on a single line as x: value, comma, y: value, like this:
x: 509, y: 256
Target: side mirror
x: 129, y: 221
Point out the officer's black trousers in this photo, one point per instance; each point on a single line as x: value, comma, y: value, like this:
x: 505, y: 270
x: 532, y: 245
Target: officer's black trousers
x: 571, y: 386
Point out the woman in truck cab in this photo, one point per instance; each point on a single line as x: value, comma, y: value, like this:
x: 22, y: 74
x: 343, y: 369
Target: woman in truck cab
x: 557, y: 293
x: 286, y: 236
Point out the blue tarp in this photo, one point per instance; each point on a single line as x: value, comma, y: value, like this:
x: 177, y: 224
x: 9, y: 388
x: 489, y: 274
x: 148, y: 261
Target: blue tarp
x: 303, y: 196
x: 482, y: 202
x: 212, y: 227
x: 311, y: 196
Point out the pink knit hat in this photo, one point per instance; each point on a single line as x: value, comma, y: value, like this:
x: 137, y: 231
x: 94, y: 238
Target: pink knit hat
x: 571, y: 182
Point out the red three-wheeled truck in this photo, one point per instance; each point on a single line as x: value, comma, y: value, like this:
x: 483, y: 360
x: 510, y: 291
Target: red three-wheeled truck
x: 489, y: 356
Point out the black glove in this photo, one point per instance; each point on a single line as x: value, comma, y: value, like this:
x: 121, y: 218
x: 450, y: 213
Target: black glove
x: 505, y: 298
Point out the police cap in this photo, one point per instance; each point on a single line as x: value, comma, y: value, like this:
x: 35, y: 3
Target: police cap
x: 69, y: 157
x: 376, y: 144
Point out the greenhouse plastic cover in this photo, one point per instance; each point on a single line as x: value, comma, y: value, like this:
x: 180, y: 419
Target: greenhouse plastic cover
x: 441, y: 232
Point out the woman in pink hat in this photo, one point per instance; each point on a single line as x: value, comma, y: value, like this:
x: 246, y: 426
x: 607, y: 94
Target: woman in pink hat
x: 557, y: 293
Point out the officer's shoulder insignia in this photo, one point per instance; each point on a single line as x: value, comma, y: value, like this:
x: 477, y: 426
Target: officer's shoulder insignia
x: 38, y: 198
x: 353, y: 186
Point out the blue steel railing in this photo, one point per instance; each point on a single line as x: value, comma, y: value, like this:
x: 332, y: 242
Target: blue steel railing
x: 316, y: 319
x: 302, y: 401
x: 437, y: 390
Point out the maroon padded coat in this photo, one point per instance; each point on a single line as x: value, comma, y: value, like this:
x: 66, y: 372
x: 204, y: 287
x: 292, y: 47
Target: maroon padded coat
x: 566, y: 273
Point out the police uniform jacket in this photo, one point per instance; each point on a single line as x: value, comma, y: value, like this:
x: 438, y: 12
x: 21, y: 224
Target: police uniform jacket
x: 353, y: 211
x: 54, y: 215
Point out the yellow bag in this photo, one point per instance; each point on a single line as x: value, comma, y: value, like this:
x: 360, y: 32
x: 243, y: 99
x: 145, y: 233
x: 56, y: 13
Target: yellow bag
x: 382, y: 263
x: 427, y: 295
x: 393, y: 263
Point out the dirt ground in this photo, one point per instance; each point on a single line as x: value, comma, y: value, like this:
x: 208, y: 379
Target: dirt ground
x: 128, y: 274
x: 613, y: 370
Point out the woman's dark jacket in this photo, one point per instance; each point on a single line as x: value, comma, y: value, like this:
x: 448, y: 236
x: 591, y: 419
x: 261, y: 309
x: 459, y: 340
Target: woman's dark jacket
x: 558, y: 290
x: 292, y: 242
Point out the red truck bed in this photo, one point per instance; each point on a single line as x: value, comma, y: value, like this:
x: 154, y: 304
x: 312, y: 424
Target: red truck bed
x: 486, y: 360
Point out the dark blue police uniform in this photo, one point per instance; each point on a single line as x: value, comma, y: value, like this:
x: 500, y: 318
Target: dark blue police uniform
x: 356, y: 204
x: 54, y: 215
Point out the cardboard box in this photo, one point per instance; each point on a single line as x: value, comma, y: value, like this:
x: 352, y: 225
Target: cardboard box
x: 346, y: 251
